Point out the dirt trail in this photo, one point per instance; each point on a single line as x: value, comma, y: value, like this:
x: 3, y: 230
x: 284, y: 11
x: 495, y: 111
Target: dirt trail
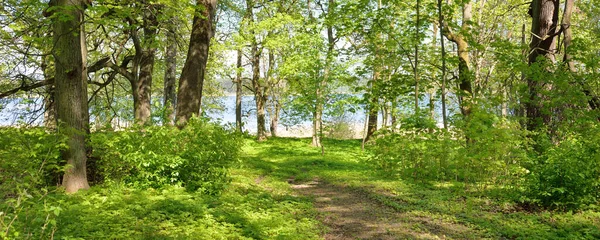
x: 352, y: 215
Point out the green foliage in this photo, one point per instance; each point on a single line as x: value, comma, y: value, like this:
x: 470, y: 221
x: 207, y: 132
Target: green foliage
x: 567, y: 175
x: 493, y: 151
x: 419, y: 153
x: 30, y: 164
x: 196, y: 157
x: 29, y: 160
x: 253, y: 206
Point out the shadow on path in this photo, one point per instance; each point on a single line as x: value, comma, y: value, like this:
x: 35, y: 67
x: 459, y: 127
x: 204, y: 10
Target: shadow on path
x: 352, y: 215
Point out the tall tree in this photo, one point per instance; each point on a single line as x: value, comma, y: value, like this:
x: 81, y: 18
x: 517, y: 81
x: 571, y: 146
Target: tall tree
x: 238, y: 92
x: 464, y: 64
x: 443, y: 50
x: 142, y: 86
x: 170, y: 96
x: 544, y: 14
x: 71, y: 87
x: 189, y: 95
x: 257, y: 86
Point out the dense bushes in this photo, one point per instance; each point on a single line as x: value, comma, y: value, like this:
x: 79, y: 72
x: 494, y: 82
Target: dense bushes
x: 29, y: 160
x: 196, y: 157
x: 30, y: 165
x: 565, y: 174
x: 493, y: 153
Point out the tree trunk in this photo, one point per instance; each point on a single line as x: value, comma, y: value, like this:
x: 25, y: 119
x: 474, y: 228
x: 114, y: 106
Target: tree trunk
x: 49, y: 98
x: 189, y: 96
x: 275, y: 119
x: 464, y: 72
x: 261, y: 134
x: 416, y: 69
x: 238, y: 92
x: 544, y: 15
x: 373, y: 116
x: 71, y: 88
x: 142, y: 85
x: 170, y: 97
x: 443, y: 49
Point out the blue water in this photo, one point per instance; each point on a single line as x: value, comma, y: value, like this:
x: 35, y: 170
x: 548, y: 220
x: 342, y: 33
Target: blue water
x: 221, y: 109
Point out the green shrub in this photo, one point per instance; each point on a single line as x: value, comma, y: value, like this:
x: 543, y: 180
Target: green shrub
x: 567, y: 175
x: 30, y: 165
x: 196, y: 157
x: 417, y: 154
x: 29, y: 160
x: 494, y: 152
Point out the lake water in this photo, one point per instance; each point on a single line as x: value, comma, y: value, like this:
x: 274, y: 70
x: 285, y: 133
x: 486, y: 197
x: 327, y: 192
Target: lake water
x: 221, y: 109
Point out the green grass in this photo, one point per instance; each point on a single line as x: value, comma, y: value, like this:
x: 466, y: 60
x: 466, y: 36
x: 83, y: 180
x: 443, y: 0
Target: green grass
x: 259, y: 204
x: 432, y: 208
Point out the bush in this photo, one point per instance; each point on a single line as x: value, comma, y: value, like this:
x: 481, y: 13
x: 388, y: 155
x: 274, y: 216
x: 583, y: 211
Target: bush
x: 196, y: 157
x: 567, y: 175
x: 30, y: 165
x: 495, y: 150
x: 418, y: 150
x: 29, y: 160
x: 416, y: 154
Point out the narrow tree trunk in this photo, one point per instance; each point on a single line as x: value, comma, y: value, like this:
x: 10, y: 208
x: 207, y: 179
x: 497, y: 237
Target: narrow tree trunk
x: 521, y: 107
x: 170, y: 97
x: 189, y: 96
x: 259, y: 91
x: 316, y: 137
x: 71, y: 88
x: 432, y: 90
x: 258, y: 94
x: 272, y: 100
x: 374, y: 101
x: 568, y: 34
x: 464, y: 72
x: 416, y: 69
x: 238, y: 92
x: 443, y: 50
x: 373, y: 116
x: 393, y: 114
x: 275, y: 118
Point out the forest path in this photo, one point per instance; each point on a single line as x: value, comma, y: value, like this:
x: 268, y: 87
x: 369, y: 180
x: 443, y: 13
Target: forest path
x: 353, y: 200
x: 350, y: 214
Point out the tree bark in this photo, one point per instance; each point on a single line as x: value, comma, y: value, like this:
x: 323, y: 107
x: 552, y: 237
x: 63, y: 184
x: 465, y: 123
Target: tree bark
x: 238, y: 92
x: 372, y: 115
x: 443, y: 49
x: 49, y: 98
x: 568, y: 34
x: 259, y: 92
x: 416, y: 69
x: 189, y: 96
x: 71, y: 88
x: 544, y: 15
x: 464, y: 64
x: 170, y: 97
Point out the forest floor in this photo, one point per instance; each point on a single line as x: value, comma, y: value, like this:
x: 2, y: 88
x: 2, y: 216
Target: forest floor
x: 353, y: 200
x: 285, y: 189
